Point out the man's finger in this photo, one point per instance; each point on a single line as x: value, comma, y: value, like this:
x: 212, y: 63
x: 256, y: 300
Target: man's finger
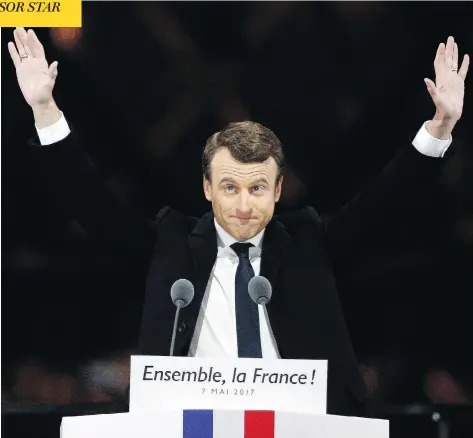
x: 455, y: 56
x: 439, y: 55
x: 430, y: 87
x: 14, y: 54
x: 448, y: 60
x: 464, y: 68
x: 19, y: 45
x: 21, y: 40
x: 52, y: 71
x: 35, y: 44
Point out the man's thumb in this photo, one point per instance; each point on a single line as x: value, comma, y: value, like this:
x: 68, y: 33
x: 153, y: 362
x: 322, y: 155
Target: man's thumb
x: 430, y: 87
x: 53, y: 70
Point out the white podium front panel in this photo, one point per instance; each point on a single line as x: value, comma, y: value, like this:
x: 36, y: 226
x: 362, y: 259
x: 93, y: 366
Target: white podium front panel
x: 177, y: 383
x: 222, y: 424
x: 329, y: 426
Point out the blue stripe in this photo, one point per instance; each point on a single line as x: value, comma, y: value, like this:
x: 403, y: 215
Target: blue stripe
x: 197, y: 424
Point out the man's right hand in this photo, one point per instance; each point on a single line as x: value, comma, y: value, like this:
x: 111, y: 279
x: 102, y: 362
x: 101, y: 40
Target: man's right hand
x: 35, y: 78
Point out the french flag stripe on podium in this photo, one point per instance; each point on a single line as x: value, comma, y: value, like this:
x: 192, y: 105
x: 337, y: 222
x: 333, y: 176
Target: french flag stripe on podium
x: 228, y: 424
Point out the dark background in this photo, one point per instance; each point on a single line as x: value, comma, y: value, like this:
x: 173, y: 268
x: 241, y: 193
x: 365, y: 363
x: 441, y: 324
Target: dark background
x: 144, y: 84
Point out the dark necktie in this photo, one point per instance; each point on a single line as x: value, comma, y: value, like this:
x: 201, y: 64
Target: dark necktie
x: 247, y: 318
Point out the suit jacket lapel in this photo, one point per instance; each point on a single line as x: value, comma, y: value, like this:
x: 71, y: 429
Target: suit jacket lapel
x: 276, y: 243
x: 276, y: 246
x: 203, y: 244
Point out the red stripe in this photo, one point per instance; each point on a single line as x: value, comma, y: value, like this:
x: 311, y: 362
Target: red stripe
x: 259, y: 424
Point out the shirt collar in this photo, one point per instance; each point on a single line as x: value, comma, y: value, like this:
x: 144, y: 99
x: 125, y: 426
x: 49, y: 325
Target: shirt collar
x: 225, y: 239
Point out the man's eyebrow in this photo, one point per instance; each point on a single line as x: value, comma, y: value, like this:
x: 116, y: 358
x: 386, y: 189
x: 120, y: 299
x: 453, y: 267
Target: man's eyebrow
x: 228, y: 179
x: 260, y: 180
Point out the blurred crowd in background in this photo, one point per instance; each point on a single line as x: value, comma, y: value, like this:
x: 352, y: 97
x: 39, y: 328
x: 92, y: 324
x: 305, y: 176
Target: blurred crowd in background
x: 144, y: 84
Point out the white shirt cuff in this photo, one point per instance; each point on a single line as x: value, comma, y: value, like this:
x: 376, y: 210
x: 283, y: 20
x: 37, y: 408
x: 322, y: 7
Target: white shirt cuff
x: 428, y: 145
x: 54, y: 133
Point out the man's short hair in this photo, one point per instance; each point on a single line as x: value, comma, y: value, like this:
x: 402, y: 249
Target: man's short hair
x: 248, y: 142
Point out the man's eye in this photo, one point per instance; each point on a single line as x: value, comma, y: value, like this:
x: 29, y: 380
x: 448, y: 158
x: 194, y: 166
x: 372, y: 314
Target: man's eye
x: 229, y: 188
x: 258, y: 188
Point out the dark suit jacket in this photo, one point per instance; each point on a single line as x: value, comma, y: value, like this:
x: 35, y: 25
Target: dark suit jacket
x: 297, y: 258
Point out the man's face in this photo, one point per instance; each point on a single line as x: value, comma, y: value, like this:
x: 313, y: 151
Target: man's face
x: 243, y: 195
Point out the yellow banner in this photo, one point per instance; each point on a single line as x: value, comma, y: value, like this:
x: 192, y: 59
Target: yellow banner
x: 62, y: 13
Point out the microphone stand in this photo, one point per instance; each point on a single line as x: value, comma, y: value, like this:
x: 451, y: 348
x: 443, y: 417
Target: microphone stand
x: 262, y: 301
x: 179, y: 304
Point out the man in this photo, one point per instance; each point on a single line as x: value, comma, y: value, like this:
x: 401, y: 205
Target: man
x: 243, y: 169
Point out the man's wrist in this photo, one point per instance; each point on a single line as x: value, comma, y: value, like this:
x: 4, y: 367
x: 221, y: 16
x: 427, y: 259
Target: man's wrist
x: 427, y: 144
x: 440, y: 127
x: 46, y: 114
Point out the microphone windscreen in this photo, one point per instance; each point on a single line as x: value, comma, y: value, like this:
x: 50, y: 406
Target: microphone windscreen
x: 260, y: 290
x: 182, y: 290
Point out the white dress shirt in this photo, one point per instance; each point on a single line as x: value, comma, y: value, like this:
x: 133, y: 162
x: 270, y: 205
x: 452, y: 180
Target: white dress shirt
x: 215, y: 333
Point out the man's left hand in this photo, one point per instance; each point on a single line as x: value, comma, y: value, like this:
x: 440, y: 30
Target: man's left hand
x: 448, y: 90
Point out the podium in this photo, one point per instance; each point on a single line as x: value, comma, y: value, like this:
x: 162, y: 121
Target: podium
x: 222, y: 424
x: 181, y: 397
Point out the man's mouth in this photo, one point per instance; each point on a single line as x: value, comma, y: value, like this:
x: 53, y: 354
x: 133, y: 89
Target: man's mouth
x: 243, y: 218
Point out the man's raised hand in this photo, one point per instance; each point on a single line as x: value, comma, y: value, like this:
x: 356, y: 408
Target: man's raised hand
x: 35, y: 78
x: 449, y: 88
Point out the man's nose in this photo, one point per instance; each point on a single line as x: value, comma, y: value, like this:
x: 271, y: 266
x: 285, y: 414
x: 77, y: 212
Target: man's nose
x: 244, y: 202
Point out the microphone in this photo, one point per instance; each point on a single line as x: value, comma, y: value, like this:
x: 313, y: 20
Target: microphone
x: 260, y: 290
x: 182, y: 293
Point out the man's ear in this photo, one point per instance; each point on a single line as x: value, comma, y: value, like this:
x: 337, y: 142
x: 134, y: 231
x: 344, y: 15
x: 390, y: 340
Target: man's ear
x: 207, y: 189
x: 279, y: 188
